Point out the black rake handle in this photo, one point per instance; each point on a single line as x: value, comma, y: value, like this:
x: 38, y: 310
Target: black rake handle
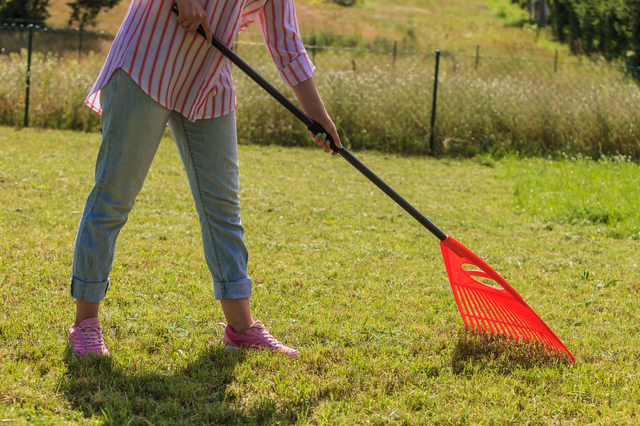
x: 315, y: 128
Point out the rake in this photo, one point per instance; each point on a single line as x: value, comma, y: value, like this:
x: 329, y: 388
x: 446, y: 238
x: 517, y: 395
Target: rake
x: 485, y: 308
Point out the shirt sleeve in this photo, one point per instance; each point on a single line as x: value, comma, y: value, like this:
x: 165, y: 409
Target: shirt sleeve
x: 278, y: 26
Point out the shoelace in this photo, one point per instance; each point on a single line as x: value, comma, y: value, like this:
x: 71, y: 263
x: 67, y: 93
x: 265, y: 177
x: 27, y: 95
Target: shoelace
x: 91, y: 337
x: 272, y: 340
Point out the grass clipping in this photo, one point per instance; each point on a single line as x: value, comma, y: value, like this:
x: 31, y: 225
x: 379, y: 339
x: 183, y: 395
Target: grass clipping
x: 477, y: 351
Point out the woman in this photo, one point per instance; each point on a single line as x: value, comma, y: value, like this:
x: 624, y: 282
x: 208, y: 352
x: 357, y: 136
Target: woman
x: 160, y: 71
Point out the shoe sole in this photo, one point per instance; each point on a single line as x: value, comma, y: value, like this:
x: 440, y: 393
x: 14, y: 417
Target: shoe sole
x: 229, y: 348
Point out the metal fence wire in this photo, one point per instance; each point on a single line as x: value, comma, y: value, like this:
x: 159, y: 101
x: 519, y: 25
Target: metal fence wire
x: 47, y: 73
x: 380, y: 99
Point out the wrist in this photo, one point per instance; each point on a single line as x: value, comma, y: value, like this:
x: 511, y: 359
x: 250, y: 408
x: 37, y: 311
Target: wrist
x: 317, y: 112
x: 318, y: 118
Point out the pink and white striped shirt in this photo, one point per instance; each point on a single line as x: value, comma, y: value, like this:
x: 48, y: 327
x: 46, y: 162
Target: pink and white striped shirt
x: 177, y: 68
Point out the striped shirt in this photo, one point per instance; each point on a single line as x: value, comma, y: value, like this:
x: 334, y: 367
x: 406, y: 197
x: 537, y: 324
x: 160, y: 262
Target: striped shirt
x: 179, y: 71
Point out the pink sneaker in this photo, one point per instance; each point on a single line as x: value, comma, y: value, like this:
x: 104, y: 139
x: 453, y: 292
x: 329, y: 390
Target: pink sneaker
x: 87, y: 338
x: 255, y: 336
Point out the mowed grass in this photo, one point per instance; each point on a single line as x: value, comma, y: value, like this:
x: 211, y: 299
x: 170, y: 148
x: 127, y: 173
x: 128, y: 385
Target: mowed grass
x: 339, y: 271
x: 604, y: 194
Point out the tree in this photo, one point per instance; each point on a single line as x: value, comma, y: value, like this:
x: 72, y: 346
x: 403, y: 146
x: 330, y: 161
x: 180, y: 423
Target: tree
x: 86, y: 11
x: 608, y: 28
x: 24, y: 11
x: 634, y: 12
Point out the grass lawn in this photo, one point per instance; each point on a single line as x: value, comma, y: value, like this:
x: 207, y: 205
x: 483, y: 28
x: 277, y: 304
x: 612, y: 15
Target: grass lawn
x: 340, y: 272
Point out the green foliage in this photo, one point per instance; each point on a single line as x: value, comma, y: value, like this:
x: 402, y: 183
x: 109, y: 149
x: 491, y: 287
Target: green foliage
x: 24, y: 11
x: 512, y: 13
x: 523, y: 4
x: 85, y: 12
x: 344, y: 2
x: 604, y: 27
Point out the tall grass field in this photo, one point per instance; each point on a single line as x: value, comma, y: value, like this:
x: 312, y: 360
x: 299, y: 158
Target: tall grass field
x: 384, y: 101
x: 341, y: 273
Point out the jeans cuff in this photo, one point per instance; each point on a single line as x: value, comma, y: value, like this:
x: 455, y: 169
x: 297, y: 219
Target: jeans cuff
x: 240, y: 289
x: 88, y: 292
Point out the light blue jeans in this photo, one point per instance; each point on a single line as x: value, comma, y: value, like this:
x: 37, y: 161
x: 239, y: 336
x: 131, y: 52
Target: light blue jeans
x: 132, y: 127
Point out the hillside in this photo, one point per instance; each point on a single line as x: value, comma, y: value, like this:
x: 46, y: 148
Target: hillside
x: 497, y: 26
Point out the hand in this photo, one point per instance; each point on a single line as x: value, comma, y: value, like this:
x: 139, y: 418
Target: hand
x: 321, y: 138
x: 309, y: 98
x: 191, y: 15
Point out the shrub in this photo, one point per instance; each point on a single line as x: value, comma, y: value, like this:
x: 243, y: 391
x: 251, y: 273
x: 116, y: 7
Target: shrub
x: 344, y: 2
x: 606, y: 27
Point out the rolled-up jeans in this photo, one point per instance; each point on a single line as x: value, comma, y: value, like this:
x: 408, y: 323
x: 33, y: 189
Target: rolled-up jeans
x: 132, y: 126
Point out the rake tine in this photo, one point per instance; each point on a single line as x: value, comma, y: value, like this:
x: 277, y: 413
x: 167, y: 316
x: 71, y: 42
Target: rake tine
x: 476, y: 313
x: 528, y: 327
x: 460, y: 306
x: 550, y: 343
x: 456, y: 296
x: 491, y: 303
x: 507, y: 322
x: 513, y: 322
x: 481, y: 298
x: 523, y: 326
x: 544, y: 340
x: 470, y: 314
x: 518, y: 320
x: 510, y: 320
x: 530, y: 330
x: 478, y: 300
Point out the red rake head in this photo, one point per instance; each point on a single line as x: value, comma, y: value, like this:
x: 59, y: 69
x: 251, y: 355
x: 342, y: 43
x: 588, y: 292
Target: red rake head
x: 491, y: 309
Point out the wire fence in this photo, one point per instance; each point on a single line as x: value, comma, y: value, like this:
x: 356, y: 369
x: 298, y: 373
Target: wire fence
x: 47, y: 73
x: 390, y: 100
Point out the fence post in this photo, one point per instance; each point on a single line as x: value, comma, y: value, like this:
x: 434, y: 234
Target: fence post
x: 313, y: 48
x: 477, y: 55
x: 631, y: 67
x: 395, y: 51
x: 555, y: 63
x: 26, y: 98
x: 80, y: 42
x: 432, y: 147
